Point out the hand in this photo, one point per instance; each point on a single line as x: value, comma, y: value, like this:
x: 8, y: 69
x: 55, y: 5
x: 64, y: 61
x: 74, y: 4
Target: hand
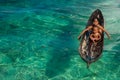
x: 109, y: 37
x: 79, y: 37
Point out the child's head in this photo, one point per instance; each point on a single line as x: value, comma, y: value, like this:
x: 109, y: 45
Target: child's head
x: 96, y: 21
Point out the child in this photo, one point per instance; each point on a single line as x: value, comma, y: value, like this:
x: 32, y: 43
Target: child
x: 96, y: 31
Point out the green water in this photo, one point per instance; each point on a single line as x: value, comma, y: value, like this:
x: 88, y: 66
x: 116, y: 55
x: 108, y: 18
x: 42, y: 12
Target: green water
x: 38, y: 40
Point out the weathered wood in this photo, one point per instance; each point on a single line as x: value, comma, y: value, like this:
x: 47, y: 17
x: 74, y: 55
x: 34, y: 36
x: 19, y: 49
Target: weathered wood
x: 88, y: 51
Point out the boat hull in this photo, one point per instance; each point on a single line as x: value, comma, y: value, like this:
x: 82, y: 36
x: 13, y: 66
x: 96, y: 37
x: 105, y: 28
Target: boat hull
x: 90, y: 52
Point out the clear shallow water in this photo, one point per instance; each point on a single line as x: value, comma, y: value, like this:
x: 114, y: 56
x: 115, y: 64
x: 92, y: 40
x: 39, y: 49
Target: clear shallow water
x: 39, y: 40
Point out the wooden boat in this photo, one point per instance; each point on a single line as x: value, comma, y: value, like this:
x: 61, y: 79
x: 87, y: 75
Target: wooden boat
x: 88, y: 51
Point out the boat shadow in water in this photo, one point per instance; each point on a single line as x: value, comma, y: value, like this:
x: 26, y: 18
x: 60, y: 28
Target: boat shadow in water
x: 60, y: 53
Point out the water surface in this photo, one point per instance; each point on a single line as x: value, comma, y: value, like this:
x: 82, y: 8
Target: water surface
x: 38, y: 40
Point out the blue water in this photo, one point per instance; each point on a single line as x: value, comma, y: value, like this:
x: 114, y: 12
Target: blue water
x: 38, y: 40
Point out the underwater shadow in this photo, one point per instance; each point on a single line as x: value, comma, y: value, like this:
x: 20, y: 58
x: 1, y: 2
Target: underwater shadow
x: 61, y: 53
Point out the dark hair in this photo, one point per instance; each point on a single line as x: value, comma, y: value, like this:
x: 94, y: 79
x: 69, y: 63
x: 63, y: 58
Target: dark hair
x: 97, y: 19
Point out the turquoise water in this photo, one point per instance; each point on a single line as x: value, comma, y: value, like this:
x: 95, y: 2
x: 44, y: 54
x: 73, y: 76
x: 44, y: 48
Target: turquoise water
x: 38, y: 40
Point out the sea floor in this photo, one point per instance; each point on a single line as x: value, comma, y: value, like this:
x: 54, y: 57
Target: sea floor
x: 38, y: 40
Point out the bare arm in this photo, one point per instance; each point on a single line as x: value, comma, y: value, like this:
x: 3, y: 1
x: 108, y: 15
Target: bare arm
x: 84, y: 32
x: 104, y: 31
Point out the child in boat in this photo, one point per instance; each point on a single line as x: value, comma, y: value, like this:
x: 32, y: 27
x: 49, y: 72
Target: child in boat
x: 96, y: 31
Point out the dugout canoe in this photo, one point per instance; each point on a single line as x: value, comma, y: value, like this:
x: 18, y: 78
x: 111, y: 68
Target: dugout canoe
x: 87, y: 48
